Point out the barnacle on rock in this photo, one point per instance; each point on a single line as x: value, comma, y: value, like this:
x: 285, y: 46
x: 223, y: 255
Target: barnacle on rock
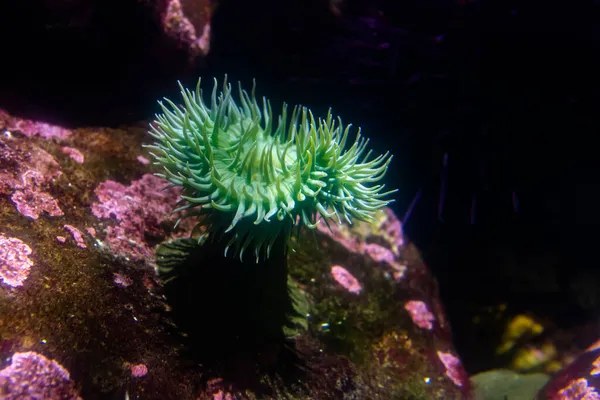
x: 254, y: 177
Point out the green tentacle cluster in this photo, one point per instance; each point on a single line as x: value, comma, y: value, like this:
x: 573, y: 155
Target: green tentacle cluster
x: 254, y: 177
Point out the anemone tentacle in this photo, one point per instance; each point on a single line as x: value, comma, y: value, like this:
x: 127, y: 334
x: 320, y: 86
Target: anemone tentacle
x: 253, y: 177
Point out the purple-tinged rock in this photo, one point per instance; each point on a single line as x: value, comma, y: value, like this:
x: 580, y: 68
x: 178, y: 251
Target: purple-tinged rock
x: 138, y: 370
x: 420, y: 314
x: 579, y: 380
x: 32, y: 376
x: 32, y: 203
x: 178, y: 26
x: 342, y: 276
x: 454, y: 369
x: 139, y: 208
x: 121, y: 279
x: 75, y: 154
x: 36, y: 128
x: 26, y: 175
x: 77, y: 236
x: 14, y: 261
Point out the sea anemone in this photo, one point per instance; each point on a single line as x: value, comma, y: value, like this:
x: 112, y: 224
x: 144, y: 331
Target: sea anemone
x: 252, y: 177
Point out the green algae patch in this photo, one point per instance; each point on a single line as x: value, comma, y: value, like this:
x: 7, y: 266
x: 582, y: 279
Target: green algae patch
x: 347, y: 323
x: 368, y: 325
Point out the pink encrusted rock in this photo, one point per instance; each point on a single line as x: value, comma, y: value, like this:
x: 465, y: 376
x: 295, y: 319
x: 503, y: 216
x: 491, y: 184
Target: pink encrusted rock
x: 32, y: 376
x: 454, y: 369
x: 221, y: 395
x: 122, y: 280
x: 75, y: 154
x: 379, y: 253
x: 391, y: 228
x: 77, y: 236
x: 138, y: 370
x: 193, y: 35
x: 14, y: 261
x: 32, y: 128
x: 420, y: 314
x: 32, y: 179
x: 579, y: 389
x: 31, y: 200
x: 139, y: 209
x: 386, y: 227
x: 579, y: 380
x: 386, y: 256
x: 34, y: 169
x: 346, y: 279
x: 595, y: 367
x: 342, y: 235
x: 32, y: 203
x: 27, y: 173
x: 143, y: 160
x: 218, y: 389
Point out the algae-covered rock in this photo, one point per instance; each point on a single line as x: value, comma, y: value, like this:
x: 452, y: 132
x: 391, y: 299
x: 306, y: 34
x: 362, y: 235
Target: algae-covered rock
x: 349, y: 313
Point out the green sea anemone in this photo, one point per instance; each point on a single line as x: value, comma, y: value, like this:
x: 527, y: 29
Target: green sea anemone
x: 253, y: 177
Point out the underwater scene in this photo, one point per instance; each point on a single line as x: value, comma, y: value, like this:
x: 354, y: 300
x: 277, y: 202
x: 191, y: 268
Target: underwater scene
x: 317, y: 199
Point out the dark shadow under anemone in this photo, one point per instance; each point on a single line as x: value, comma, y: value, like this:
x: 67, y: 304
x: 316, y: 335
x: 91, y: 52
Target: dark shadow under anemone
x: 239, y: 318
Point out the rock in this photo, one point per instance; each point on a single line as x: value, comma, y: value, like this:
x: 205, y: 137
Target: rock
x: 33, y: 376
x: 368, y: 321
x: 579, y: 380
x: 506, y: 384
